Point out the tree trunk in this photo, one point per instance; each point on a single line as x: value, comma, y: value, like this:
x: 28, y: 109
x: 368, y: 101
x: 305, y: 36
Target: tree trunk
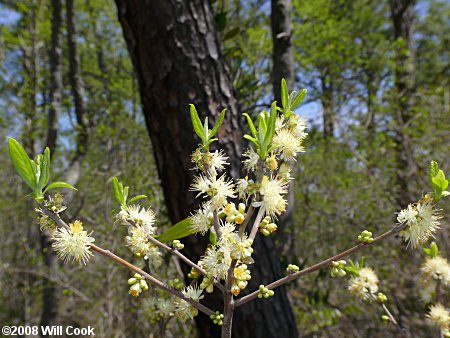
x: 50, y: 294
x: 328, y: 103
x: 283, y: 68
x: 77, y: 88
x: 176, y: 54
x: 403, y: 22
x: 283, y: 48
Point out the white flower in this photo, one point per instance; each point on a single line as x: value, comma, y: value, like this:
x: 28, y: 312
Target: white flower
x: 439, y: 315
x: 299, y: 126
x: 228, y: 233
x: 73, y: 244
x: 201, y: 220
x: 241, y: 188
x: 280, y: 123
x: 218, y: 189
x: 184, y: 310
x: 251, y: 163
x: 365, y: 285
x: 437, y: 268
x: 272, y: 192
x: 288, y: 144
x: 218, y: 160
x: 141, y: 216
x: 166, y: 307
x: 422, y: 221
x: 137, y: 241
x: 241, y: 248
x: 216, y: 261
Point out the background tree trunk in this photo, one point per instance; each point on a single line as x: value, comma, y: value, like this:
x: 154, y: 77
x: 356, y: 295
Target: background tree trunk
x: 177, y: 57
x: 51, y: 293
x: 77, y: 88
x: 283, y: 68
x: 402, y: 12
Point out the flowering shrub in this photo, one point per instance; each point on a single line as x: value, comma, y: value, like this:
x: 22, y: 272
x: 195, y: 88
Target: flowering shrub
x: 232, y: 214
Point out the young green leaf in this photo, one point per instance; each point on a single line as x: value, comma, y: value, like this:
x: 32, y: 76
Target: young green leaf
x: 197, y: 124
x: 137, y: 198
x: 177, y: 231
x: 44, y: 166
x: 118, y: 190
x: 298, y: 99
x: 251, y: 125
x: 59, y: 185
x: 217, y: 125
x: 22, y: 163
x: 434, y: 169
x: 284, y: 95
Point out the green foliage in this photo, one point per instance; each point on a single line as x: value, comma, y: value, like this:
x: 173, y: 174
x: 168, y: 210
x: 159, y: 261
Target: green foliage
x: 432, y: 251
x: 290, y: 101
x: 262, y: 137
x: 438, y: 181
x: 121, y: 193
x: 177, y: 231
x: 203, y: 131
x: 34, y: 173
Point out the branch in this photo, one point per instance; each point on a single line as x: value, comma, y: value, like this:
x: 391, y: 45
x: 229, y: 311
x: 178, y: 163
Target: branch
x: 150, y: 278
x: 258, y: 220
x: 183, y: 258
x: 319, y: 266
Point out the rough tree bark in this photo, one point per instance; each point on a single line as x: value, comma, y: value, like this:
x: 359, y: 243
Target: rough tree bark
x: 50, y: 294
x: 402, y: 13
x: 177, y: 57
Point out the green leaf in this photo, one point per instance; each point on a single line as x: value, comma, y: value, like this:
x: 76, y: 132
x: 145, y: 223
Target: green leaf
x: 59, y: 185
x: 22, y: 163
x: 196, y: 123
x: 218, y: 124
x: 212, y: 238
x: 221, y: 20
x: 298, y: 99
x: 439, y: 183
x: 248, y: 137
x: 434, y: 169
x: 177, y: 231
x: 118, y: 190
x: 44, y: 165
x: 250, y: 124
x: 284, y: 95
x: 137, y: 198
x: 271, y: 126
x: 231, y: 33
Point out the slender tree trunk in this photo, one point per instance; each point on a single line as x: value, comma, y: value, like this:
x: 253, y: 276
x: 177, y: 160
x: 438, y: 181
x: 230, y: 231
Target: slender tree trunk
x: 403, y: 22
x: 175, y: 51
x: 50, y: 295
x: 328, y: 103
x: 283, y: 48
x: 283, y: 68
x: 77, y: 88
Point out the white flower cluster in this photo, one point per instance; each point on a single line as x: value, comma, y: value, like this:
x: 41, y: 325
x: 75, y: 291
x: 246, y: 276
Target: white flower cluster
x: 184, y: 310
x: 364, y: 285
x: 421, y: 219
x: 140, y: 222
x: 73, y: 244
x: 434, y: 270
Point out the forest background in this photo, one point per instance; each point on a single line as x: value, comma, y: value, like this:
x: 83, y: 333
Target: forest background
x: 377, y: 75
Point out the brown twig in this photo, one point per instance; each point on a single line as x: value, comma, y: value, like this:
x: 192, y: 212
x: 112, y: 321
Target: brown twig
x: 150, y: 278
x: 318, y: 266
